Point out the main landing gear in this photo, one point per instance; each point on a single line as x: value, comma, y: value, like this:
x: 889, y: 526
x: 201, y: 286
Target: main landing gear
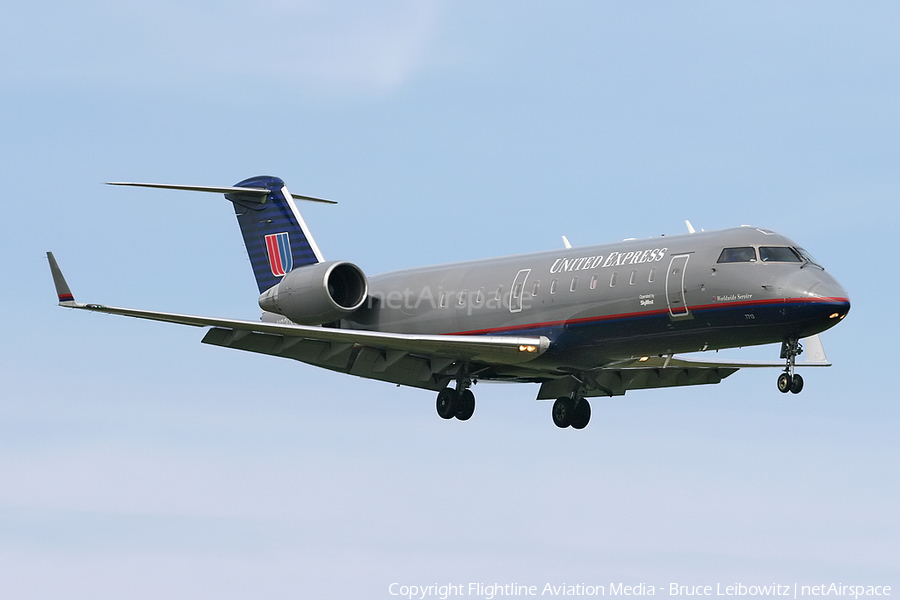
x: 571, y: 411
x: 790, y: 381
x: 459, y: 403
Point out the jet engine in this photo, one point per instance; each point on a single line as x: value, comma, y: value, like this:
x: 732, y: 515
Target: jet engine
x: 317, y: 294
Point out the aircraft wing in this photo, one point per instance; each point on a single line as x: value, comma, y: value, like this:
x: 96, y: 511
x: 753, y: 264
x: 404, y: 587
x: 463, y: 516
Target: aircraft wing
x: 668, y: 371
x: 813, y: 350
x: 416, y: 359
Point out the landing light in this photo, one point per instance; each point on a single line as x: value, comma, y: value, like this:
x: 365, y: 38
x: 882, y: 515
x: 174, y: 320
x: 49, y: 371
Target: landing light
x: 834, y: 315
x: 643, y: 359
x: 527, y: 349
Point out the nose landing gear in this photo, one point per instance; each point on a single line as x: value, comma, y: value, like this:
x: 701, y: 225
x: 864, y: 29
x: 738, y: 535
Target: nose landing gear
x: 790, y: 381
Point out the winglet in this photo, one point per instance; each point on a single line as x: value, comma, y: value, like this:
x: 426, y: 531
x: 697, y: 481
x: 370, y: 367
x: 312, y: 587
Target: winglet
x: 62, y: 288
x: 815, y: 351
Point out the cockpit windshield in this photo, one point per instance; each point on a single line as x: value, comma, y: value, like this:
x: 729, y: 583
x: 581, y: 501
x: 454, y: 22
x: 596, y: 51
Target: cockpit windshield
x: 741, y: 254
x: 767, y: 254
x: 778, y: 254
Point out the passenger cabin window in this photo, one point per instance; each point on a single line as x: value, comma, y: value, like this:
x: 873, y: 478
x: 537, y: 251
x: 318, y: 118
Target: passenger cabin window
x: 652, y: 275
x: 594, y: 282
x: 742, y: 254
x: 633, y: 277
x: 499, y: 293
x: 612, y: 279
x: 463, y: 296
x: 778, y: 254
x: 480, y: 296
x: 443, y: 299
x: 553, y: 286
x: 573, y: 284
x: 536, y: 288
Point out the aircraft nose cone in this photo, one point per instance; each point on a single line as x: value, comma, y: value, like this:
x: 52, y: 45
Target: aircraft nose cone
x: 829, y: 290
x: 814, y: 285
x: 835, y: 297
x: 820, y: 300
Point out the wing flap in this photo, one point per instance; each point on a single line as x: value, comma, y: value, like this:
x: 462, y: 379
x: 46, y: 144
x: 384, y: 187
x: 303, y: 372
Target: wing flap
x: 617, y: 381
x: 394, y: 366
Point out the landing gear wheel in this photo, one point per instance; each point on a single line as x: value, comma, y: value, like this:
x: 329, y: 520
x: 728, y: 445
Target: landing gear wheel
x: 785, y: 383
x: 448, y: 403
x: 466, y: 405
x: 581, y: 415
x: 789, y: 381
x: 563, y: 412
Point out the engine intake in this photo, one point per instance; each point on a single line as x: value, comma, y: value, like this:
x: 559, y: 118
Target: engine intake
x: 317, y: 294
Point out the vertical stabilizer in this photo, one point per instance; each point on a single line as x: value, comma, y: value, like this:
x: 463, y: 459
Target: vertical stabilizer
x: 275, y: 234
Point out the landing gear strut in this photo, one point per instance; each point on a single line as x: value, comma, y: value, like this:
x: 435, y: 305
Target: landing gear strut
x: 459, y: 402
x: 790, y: 381
x: 575, y: 412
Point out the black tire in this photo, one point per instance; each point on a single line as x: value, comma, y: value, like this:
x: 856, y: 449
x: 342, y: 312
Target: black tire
x: 466, y: 405
x: 582, y: 414
x: 447, y: 403
x: 563, y: 410
x: 784, y: 383
x: 796, y: 384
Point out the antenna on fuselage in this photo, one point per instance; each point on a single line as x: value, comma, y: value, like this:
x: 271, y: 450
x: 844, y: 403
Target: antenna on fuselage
x: 690, y: 227
x: 566, y: 242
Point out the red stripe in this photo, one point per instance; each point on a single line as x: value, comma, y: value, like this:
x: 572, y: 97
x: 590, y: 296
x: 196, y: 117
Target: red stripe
x: 650, y: 313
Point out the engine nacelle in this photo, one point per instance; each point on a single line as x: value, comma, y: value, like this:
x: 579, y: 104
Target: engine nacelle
x: 317, y: 294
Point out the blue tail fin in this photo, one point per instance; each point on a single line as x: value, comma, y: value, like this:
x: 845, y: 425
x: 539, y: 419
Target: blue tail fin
x: 275, y: 234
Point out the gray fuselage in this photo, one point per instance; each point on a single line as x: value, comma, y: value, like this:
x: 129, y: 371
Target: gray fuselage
x: 598, y: 304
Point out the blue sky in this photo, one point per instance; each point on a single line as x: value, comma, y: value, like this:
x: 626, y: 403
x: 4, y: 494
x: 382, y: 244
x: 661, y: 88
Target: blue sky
x: 136, y: 462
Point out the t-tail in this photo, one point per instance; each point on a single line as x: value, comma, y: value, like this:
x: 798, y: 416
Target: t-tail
x: 276, y: 237
x: 275, y: 234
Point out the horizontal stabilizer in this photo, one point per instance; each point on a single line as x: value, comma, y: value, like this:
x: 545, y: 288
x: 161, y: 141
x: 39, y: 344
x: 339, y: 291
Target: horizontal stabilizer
x: 251, y: 191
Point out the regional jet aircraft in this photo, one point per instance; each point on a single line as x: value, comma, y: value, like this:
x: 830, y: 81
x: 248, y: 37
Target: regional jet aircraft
x: 580, y: 322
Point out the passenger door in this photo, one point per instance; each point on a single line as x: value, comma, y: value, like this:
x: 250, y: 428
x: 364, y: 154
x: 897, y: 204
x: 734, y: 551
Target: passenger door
x: 518, y: 290
x: 675, y: 286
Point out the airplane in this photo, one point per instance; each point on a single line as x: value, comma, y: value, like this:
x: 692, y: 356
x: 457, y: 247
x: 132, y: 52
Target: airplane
x: 580, y: 322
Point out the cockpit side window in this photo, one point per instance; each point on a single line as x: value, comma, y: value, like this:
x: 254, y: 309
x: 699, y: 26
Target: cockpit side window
x: 808, y: 257
x: 778, y: 254
x: 741, y: 254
